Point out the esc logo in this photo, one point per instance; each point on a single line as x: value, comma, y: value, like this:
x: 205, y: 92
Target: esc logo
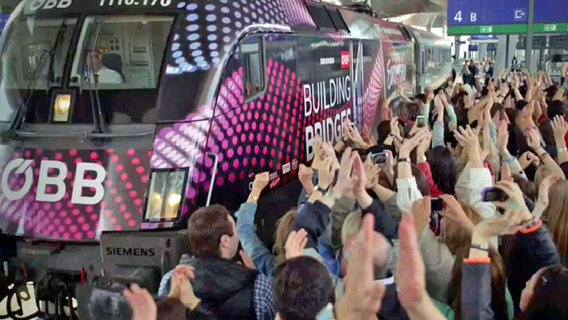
x: 345, y: 60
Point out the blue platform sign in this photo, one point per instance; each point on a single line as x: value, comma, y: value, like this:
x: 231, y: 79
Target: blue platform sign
x: 488, y: 12
x: 551, y: 11
x: 3, y: 21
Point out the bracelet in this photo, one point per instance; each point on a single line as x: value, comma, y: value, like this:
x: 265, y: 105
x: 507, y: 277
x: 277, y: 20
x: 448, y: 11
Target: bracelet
x: 482, y: 247
x: 319, y: 189
x: 531, y: 223
x: 542, y: 156
x: 510, y: 159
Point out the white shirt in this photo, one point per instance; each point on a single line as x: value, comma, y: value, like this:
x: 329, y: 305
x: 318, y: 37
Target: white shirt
x: 106, y: 75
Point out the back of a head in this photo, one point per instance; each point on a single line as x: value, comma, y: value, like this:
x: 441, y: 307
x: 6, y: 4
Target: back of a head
x: 108, y: 305
x: 498, y: 285
x: 206, y: 227
x: 555, y: 108
x: 170, y: 309
x: 283, y: 228
x: 410, y: 110
x: 549, y: 298
x: 444, y: 169
x: 302, y: 288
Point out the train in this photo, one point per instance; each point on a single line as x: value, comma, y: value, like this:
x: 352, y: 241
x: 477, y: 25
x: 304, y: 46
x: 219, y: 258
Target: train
x: 119, y: 118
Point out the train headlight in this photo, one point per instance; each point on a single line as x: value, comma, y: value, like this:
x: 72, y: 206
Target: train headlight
x: 62, y: 107
x: 165, y: 199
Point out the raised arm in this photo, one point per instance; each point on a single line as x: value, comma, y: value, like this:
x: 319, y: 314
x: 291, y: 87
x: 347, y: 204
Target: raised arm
x: 534, y: 141
x: 252, y: 245
x: 560, y: 129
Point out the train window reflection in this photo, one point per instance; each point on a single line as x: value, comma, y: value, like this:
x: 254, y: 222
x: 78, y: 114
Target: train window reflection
x: 33, y: 61
x: 252, y: 53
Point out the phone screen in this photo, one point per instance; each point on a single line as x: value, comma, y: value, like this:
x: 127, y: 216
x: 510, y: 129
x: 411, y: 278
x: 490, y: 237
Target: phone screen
x: 379, y: 158
x: 421, y: 121
x: 493, y: 194
x: 437, y: 204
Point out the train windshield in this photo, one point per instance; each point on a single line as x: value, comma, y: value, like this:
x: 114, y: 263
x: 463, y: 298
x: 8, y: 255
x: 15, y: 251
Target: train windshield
x: 110, y: 72
x: 118, y: 63
x: 33, y: 60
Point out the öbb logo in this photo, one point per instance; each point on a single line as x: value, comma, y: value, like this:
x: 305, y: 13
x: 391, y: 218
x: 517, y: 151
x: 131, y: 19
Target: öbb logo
x: 345, y: 60
x: 24, y: 167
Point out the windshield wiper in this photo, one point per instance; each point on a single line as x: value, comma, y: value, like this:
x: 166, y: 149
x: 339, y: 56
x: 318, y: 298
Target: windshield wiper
x: 21, y: 114
x: 58, y: 40
x: 96, y: 108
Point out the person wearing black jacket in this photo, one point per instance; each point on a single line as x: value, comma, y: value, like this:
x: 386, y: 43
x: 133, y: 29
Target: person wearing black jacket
x: 314, y: 216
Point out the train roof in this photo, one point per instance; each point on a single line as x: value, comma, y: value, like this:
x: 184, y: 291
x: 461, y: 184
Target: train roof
x: 298, y: 15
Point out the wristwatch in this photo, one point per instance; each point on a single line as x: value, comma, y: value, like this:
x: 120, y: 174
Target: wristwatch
x: 320, y: 189
x: 482, y: 247
x: 404, y: 160
x: 562, y: 149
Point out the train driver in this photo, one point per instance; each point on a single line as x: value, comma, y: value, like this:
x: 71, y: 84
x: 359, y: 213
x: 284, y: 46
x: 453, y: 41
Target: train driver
x: 98, y: 72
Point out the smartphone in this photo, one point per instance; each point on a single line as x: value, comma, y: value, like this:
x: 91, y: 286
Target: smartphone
x: 421, y: 121
x: 493, y: 194
x: 379, y: 158
x: 436, y: 223
x: 437, y: 204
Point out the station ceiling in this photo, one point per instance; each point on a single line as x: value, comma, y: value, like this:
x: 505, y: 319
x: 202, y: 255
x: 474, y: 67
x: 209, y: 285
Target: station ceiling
x: 415, y: 12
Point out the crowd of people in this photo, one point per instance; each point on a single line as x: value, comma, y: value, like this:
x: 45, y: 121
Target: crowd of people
x: 458, y: 210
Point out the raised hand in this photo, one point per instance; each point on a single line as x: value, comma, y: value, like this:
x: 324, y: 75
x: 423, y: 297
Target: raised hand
x: 467, y: 138
x: 306, y: 176
x: 363, y: 297
x: 509, y: 223
x: 344, y: 184
x: 142, y: 304
x: 515, y: 201
x: 260, y: 182
x: 182, y: 288
x: 453, y: 211
x: 410, y: 272
x: 560, y: 128
x: 503, y: 136
x: 327, y: 172
x: 529, y: 158
x: 395, y: 129
x: 318, y: 153
x: 543, y: 190
x: 422, y: 210
x: 425, y: 144
x: 410, y: 144
x: 533, y: 139
x: 296, y: 243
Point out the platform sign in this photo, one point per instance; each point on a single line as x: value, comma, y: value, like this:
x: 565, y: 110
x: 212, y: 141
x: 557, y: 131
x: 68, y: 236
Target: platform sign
x: 550, y: 16
x: 3, y: 21
x: 467, y: 17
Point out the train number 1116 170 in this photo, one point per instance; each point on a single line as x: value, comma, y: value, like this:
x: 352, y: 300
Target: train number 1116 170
x: 152, y: 3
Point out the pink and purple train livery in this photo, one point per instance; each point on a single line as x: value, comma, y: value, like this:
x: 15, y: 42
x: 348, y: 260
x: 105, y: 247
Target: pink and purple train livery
x: 119, y: 118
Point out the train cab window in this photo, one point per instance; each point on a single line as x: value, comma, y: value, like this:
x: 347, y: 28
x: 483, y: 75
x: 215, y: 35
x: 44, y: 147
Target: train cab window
x: 254, y: 69
x: 32, y: 62
x: 117, y: 66
x: 321, y: 16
